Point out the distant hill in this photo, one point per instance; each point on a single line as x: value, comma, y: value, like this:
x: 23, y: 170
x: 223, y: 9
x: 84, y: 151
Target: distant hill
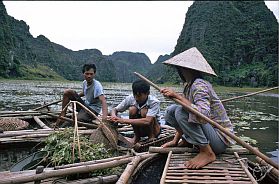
x: 238, y: 38
x: 26, y: 57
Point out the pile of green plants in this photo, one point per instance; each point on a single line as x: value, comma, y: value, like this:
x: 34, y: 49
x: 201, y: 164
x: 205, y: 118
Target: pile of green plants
x: 60, y: 147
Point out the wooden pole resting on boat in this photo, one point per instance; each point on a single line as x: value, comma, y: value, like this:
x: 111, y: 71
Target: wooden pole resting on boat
x: 38, y: 108
x: 214, y: 124
x: 250, y: 94
x: 40, y: 123
x: 125, y: 176
x: 245, y: 169
x: 163, y: 178
x: 68, y: 171
x: 153, y: 149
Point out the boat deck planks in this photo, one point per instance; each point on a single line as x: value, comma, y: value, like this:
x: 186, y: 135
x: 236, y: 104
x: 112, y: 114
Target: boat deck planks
x: 227, y: 168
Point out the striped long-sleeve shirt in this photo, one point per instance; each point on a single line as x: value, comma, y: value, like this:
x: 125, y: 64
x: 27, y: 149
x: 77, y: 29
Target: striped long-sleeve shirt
x: 205, y: 100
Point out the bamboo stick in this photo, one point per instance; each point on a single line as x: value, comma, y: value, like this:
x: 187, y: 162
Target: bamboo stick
x: 153, y: 149
x: 41, y: 131
x: 88, y: 125
x: 74, y: 141
x: 38, y: 108
x: 163, y: 178
x: 96, y: 180
x: 245, y: 169
x: 76, y: 129
x: 91, y: 162
x: 125, y: 176
x: 250, y: 94
x: 67, y: 171
x: 214, y: 124
x: 40, y: 123
x: 89, y: 111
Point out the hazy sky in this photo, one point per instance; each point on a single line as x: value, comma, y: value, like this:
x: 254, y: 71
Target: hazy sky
x: 150, y: 27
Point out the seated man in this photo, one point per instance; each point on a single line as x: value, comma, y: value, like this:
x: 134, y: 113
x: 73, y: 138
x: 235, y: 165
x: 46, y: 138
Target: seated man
x: 94, y: 96
x: 144, y: 112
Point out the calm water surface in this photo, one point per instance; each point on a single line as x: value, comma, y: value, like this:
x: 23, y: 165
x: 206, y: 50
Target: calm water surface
x: 255, y: 118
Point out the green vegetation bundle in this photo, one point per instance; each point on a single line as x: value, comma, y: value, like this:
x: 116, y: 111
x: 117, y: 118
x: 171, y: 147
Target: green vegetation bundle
x: 60, y: 147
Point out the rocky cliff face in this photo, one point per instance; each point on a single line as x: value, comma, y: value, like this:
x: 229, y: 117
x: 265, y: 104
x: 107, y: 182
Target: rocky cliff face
x: 238, y: 38
x: 127, y: 62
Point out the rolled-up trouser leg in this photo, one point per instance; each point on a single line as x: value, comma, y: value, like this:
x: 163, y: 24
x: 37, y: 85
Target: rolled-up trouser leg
x: 194, y: 133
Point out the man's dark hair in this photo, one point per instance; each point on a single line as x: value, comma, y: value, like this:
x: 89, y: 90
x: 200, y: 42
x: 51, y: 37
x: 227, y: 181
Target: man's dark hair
x: 87, y: 67
x: 140, y: 86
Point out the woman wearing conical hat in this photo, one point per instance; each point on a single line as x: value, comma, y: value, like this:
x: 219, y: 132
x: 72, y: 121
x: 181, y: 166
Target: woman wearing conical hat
x: 199, y: 94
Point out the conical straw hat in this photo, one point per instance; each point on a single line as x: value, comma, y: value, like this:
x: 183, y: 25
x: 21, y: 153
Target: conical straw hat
x: 193, y: 59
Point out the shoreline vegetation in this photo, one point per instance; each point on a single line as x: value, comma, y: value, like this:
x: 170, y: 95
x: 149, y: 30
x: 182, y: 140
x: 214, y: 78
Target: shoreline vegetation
x: 218, y: 88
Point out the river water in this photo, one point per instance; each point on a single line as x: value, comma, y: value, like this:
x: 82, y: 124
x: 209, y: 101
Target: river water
x: 255, y: 118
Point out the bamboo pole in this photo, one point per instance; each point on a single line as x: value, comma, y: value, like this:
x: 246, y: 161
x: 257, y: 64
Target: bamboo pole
x: 41, y: 131
x: 250, y: 94
x: 153, y: 149
x: 163, y: 178
x: 67, y: 171
x: 88, y: 125
x: 38, y: 108
x: 40, y: 123
x: 76, y: 129
x: 125, y: 176
x: 214, y: 124
x: 85, y: 108
x: 91, y: 162
x: 96, y: 180
x: 245, y: 169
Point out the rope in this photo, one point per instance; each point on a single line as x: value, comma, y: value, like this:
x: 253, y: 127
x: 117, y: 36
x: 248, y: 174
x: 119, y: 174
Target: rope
x: 262, y: 171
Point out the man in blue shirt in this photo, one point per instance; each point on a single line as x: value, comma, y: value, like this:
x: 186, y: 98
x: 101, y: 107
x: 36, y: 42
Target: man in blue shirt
x: 92, y: 90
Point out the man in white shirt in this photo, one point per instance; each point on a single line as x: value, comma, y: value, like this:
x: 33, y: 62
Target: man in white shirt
x: 144, y: 112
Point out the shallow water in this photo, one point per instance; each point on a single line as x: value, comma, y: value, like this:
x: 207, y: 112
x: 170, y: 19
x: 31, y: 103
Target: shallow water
x: 255, y: 118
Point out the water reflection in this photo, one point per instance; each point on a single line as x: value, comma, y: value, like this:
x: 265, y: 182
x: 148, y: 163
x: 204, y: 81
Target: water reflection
x: 255, y: 118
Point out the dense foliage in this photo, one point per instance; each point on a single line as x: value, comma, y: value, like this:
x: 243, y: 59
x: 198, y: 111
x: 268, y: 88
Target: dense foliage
x: 238, y: 38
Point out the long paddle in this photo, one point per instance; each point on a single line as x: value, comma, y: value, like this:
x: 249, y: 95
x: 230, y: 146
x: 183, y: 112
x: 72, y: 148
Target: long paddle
x: 38, y: 108
x: 250, y: 94
x: 213, y: 123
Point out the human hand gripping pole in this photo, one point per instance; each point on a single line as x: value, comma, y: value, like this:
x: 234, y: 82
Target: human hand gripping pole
x: 213, y: 123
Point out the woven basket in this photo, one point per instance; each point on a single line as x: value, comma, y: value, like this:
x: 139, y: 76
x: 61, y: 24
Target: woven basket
x: 9, y: 124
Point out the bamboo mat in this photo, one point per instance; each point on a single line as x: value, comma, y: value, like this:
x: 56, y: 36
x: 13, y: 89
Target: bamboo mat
x: 227, y: 168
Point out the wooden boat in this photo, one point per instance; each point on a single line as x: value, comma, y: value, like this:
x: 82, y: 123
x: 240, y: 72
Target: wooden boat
x: 135, y: 163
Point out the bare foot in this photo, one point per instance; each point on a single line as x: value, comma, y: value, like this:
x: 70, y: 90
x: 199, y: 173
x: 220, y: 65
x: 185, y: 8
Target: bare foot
x: 205, y: 157
x: 169, y: 144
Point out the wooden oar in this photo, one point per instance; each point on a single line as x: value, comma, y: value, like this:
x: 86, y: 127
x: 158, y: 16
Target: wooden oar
x: 213, y: 123
x: 38, y: 108
x: 250, y: 94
